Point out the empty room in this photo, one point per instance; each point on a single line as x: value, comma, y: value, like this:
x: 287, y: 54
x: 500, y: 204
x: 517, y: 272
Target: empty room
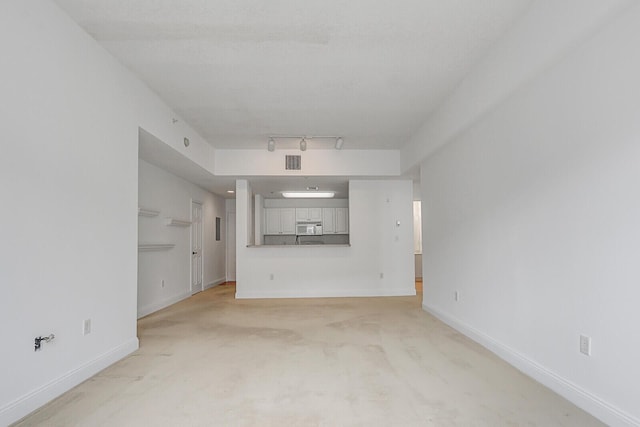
x: 296, y: 213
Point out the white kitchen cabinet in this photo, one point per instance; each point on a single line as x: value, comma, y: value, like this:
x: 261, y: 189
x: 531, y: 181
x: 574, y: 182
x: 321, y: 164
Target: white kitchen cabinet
x: 328, y: 220
x: 302, y: 214
x: 288, y: 220
x: 308, y: 214
x: 272, y: 221
x: 342, y: 221
x: 335, y: 220
x: 280, y: 221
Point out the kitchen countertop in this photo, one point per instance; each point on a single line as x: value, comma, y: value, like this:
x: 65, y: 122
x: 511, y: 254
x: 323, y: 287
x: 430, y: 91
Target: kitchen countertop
x: 303, y: 245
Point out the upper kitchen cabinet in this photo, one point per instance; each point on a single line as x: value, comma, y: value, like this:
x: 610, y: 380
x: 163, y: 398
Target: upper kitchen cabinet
x: 308, y: 214
x: 335, y: 220
x: 342, y: 220
x: 328, y: 220
x: 280, y: 221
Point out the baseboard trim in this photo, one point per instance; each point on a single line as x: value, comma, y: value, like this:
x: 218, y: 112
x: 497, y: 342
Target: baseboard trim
x: 152, y: 308
x: 591, y: 403
x: 323, y: 293
x: 215, y: 283
x: 23, y: 406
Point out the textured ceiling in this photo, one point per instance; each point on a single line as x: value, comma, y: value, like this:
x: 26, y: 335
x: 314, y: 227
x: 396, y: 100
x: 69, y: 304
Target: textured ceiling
x: 239, y: 71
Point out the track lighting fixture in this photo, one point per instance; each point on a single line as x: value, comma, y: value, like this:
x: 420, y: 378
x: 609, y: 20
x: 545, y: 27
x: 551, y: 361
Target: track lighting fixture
x: 304, y: 141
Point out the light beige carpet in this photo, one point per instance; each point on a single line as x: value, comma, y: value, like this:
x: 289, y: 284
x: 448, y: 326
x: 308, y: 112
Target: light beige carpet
x: 215, y: 361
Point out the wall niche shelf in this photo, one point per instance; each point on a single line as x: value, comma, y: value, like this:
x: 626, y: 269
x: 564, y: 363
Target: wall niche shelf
x: 147, y: 212
x: 178, y: 222
x: 148, y: 247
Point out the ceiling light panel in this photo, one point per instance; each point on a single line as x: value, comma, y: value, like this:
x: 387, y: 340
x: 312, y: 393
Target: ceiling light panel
x: 308, y: 194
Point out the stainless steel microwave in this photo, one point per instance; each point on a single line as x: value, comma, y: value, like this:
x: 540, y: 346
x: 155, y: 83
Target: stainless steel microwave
x: 309, y: 229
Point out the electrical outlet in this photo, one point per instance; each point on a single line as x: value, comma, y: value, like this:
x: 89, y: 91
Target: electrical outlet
x: 86, y: 327
x: 456, y: 296
x: 585, y: 345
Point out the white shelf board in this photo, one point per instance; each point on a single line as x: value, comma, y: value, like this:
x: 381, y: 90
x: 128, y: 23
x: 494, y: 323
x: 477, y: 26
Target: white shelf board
x: 147, y: 247
x: 147, y: 212
x: 178, y: 222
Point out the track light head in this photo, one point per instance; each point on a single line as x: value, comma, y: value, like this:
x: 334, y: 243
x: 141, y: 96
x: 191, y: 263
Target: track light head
x: 339, y: 142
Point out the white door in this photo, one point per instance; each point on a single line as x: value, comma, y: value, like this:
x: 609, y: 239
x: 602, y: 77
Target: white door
x: 231, y: 246
x: 196, y: 247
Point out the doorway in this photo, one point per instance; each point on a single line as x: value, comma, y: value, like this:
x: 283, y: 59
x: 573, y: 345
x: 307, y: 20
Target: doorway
x: 231, y: 246
x: 196, y: 247
x: 417, y: 243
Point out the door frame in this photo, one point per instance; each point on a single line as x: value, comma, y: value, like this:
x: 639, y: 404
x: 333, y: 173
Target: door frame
x: 230, y: 249
x: 194, y: 291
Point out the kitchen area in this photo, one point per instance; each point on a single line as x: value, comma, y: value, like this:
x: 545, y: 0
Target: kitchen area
x: 305, y: 222
x: 358, y: 245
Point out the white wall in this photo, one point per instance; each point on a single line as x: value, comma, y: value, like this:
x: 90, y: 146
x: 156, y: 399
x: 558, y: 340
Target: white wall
x: 542, y: 36
x: 69, y: 171
x: 314, y: 162
x: 161, y: 191
x: 377, y: 246
x: 532, y: 214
